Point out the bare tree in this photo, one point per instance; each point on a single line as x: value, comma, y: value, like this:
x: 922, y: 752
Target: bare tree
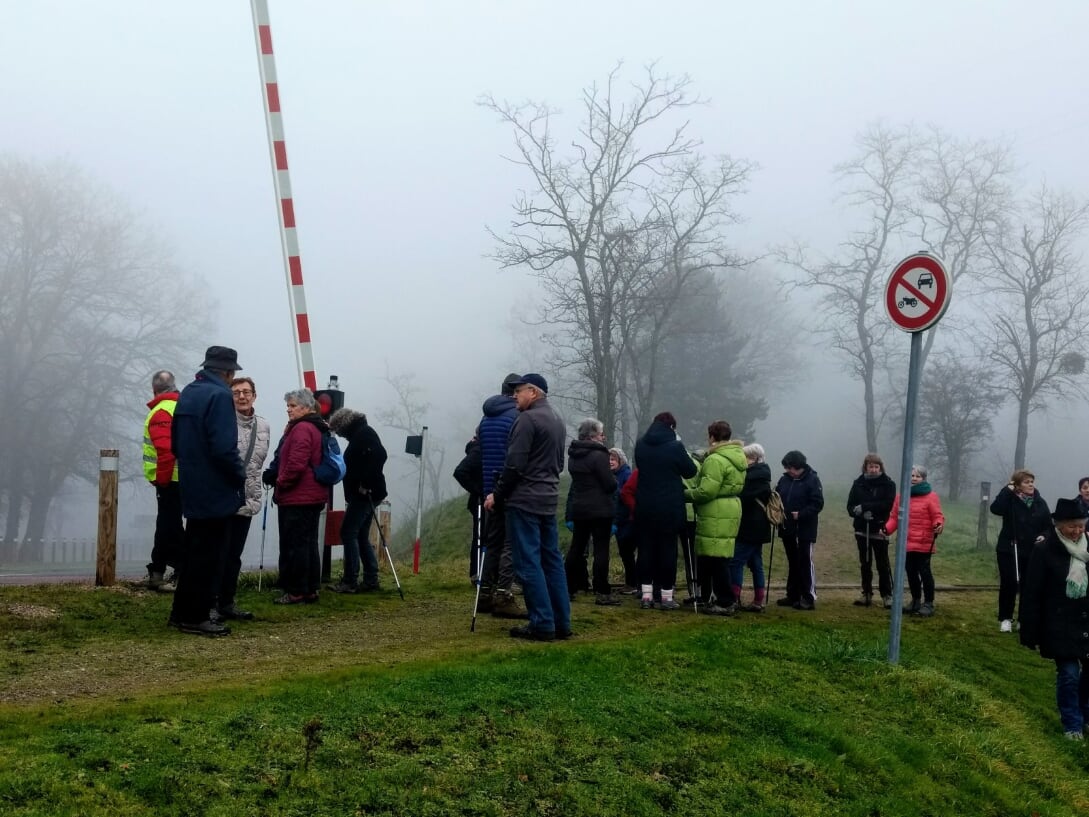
x: 849, y: 287
x: 604, y: 220
x: 90, y: 305
x: 1037, y: 321
x: 959, y: 402
x: 962, y: 197
x: 409, y: 414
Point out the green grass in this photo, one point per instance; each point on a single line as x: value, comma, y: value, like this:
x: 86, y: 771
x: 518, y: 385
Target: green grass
x: 370, y: 705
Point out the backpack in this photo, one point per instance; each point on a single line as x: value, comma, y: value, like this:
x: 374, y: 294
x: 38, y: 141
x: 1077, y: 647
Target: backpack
x: 331, y: 469
x: 774, y: 508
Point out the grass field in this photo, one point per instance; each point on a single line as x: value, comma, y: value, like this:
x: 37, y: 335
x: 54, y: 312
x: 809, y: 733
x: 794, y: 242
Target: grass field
x: 370, y: 705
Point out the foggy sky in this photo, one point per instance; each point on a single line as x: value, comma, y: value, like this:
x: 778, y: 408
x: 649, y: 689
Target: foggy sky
x: 396, y: 172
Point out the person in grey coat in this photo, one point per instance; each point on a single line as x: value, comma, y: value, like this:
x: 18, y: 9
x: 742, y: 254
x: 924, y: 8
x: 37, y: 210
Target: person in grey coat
x: 528, y: 489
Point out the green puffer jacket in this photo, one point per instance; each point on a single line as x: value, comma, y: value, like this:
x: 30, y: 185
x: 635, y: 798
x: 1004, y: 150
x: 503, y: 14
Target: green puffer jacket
x: 715, y: 495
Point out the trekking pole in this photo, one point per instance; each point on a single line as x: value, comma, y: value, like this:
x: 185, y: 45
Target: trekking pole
x: 869, y: 554
x: 771, y: 561
x: 481, y: 552
x: 385, y: 547
x: 264, y: 521
x: 1016, y: 566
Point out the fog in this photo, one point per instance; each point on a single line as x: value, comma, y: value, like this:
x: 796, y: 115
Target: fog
x: 397, y: 172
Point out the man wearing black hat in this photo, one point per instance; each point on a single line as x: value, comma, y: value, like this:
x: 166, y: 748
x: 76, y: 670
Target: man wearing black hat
x: 1054, y: 609
x: 212, y: 480
x: 528, y: 491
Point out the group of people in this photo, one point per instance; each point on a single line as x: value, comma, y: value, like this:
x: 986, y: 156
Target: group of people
x: 204, y: 452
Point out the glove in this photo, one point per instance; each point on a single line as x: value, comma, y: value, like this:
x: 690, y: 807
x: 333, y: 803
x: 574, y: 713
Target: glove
x: 569, y: 525
x: 856, y: 510
x: 614, y: 530
x: 868, y: 516
x: 268, y: 477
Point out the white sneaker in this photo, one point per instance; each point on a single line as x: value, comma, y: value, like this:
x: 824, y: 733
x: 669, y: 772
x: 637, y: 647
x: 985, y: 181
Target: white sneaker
x: 1006, y: 626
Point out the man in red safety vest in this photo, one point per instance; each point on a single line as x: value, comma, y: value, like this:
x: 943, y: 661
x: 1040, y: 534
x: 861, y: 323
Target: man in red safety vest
x: 161, y: 470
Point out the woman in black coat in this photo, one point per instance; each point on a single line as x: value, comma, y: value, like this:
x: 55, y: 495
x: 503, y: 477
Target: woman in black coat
x: 1025, y: 523
x: 590, y: 509
x: 662, y: 462
x: 1055, y: 608
x: 870, y: 503
x: 754, y: 530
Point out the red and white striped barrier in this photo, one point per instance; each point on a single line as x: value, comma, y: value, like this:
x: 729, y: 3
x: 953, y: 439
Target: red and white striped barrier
x: 304, y: 354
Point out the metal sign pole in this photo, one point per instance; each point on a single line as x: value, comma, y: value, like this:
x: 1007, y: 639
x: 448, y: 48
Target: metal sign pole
x: 914, y: 367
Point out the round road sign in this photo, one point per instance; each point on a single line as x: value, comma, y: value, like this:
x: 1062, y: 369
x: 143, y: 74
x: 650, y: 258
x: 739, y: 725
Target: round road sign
x: 918, y: 292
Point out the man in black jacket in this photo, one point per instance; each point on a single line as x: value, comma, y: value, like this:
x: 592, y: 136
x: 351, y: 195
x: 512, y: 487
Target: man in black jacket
x: 364, y: 487
x: 528, y: 489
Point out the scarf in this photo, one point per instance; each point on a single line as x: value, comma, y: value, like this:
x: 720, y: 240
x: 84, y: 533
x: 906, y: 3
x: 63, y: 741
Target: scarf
x: 921, y: 489
x: 1077, y: 577
x: 1026, y: 498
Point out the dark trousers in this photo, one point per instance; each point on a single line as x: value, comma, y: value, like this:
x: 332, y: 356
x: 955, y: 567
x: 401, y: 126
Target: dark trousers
x: 198, y: 569
x: 657, y: 554
x: 920, y: 579
x: 169, y: 531
x: 1008, y: 586
x: 716, y: 578
x: 801, y: 581
x: 871, y: 553
x: 599, y: 531
x: 232, y: 560
x: 498, y: 572
x: 355, y: 536
x: 300, y: 558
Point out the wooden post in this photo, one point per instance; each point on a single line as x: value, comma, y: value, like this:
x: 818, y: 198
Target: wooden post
x: 984, y: 514
x: 106, y: 566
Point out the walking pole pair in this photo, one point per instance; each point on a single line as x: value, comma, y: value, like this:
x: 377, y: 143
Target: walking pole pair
x: 690, y: 573
x: 264, y: 520
x: 481, y: 551
x: 385, y: 547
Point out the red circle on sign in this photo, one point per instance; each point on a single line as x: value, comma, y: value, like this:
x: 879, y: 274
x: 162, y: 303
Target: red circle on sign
x: 918, y: 280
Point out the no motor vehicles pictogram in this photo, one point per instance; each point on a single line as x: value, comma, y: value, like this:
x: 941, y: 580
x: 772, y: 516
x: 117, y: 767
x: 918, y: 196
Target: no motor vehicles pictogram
x: 918, y: 292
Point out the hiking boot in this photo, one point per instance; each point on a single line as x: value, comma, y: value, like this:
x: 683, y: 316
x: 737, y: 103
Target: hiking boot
x: 1006, y: 626
x: 505, y: 605
x: 646, y: 604
x: 1073, y: 734
x: 753, y: 608
x: 205, y: 628
x: 668, y: 604
x: 886, y: 602
x: 155, y: 579
x: 804, y: 604
x: 926, y: 609
x: 288, y: 598
x: 864, y: 600
x: 786, y: 602
x: 912, y: 609
x: 528, y: 633
x: 235, y: 613
x: 715, y: 610
x: 343, y: 587
x: 607, y: 600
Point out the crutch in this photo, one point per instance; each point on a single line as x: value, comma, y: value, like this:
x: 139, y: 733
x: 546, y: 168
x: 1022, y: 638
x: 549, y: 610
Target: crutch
x: 264, y: 521
x: 385, y: 547
x: 481, y: 551
x: 869, y: 556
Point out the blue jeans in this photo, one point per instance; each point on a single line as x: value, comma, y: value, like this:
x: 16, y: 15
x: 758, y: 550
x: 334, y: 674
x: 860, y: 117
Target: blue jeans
x: 1072, y: 693
x: 751, y: 556
x: 535, y: 546
x: 357, y: 517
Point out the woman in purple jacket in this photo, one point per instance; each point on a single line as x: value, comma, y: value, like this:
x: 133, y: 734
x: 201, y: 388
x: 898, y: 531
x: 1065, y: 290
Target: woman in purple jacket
x: 299, y: 498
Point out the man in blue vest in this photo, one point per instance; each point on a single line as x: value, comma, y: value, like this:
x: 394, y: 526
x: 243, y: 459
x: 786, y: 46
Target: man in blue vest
x: 212, y: 480
x: 161, y: 471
